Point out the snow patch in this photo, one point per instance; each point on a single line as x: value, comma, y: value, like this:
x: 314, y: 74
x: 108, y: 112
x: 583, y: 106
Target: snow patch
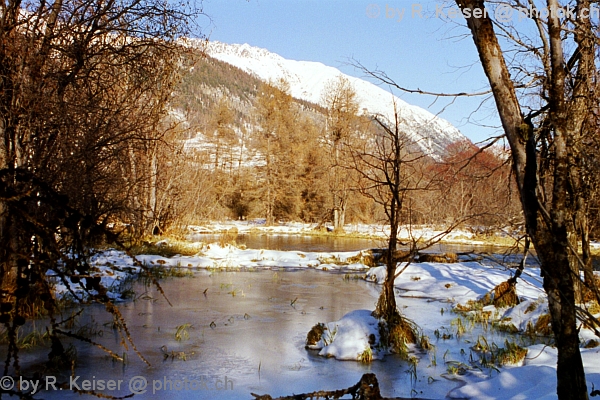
x: 349, y: 337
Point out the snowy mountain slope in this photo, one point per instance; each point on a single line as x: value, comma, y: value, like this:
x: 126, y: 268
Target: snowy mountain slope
x: 308, y: 79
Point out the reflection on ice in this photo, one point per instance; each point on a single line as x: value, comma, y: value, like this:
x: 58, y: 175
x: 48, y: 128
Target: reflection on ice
x: 245, y: 331
x: 255, y: 338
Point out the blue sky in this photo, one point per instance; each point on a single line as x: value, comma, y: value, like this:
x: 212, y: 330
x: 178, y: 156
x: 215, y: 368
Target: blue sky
x: 420, y: 50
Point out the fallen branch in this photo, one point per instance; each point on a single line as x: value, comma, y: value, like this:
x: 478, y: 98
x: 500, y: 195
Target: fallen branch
x: 366, y: 389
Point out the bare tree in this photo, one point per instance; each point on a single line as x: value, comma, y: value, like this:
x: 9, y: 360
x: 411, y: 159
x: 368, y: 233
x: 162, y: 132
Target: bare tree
x: 476, y: 183
x: 84, y: 87
x: 389, y: 171
x: 394, y: 173
x: 548, y: 154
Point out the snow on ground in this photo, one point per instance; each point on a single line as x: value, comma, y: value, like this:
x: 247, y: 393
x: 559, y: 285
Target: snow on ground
x: 461, y: 282
x: 349, y: 337
x: 536, y: 379
x: 112, y: 266
x: 366, y: 230
x: 456, y: 282
x: 215, y: 256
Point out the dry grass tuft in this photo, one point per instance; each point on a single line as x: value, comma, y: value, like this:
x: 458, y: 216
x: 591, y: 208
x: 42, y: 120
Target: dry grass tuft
x: 532, y: 307
x: 229, y: 237
x: 315, y: 334
x: 364, y: 257
x: 505, y: 295
x: 401, y: 333
x: 438, y: 258
x: 399, y: 256
x: 404, y: 330
x: 543, y: 325
x: 594, y: 308
x: 511, y: 354
x: 169, y: 248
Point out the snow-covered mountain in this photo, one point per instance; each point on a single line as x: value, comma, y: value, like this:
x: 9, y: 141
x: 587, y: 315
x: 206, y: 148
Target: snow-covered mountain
x: 308, y: 79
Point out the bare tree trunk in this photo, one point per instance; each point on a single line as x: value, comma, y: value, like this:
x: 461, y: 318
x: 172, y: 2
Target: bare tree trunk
x: 5, y: 236
x: 336, y: 218
x: 572, y: 252
x: 386, y: 304
x: 549, y: 230
x: 586, y: 252
x: 132, y: 180
x: 559, y: 283
x: 152, y: 206
x: 217, y: 145
x: 339, y: 214
x: 553, y: 251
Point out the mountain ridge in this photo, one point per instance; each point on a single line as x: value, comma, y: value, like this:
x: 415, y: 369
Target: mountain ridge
x: 307, y: 80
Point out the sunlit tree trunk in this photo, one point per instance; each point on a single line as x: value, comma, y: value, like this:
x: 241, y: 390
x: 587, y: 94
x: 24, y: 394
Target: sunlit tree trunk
x: 550, y: 229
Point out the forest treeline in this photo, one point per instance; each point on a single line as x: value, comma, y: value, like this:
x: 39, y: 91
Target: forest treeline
x: 249, y: 150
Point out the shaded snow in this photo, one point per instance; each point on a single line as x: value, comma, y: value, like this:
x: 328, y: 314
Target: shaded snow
x: 536, y: 379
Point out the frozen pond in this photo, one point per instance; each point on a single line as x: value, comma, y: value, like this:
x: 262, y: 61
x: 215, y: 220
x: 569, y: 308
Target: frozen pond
x: 248, y: 333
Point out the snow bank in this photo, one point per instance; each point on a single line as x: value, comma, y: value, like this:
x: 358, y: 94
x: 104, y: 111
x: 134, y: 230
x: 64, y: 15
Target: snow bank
x: 536, y: 379
x: 230, y: 257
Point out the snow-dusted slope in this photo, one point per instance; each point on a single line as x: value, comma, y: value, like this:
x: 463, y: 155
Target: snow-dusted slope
x: 308, y: 79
